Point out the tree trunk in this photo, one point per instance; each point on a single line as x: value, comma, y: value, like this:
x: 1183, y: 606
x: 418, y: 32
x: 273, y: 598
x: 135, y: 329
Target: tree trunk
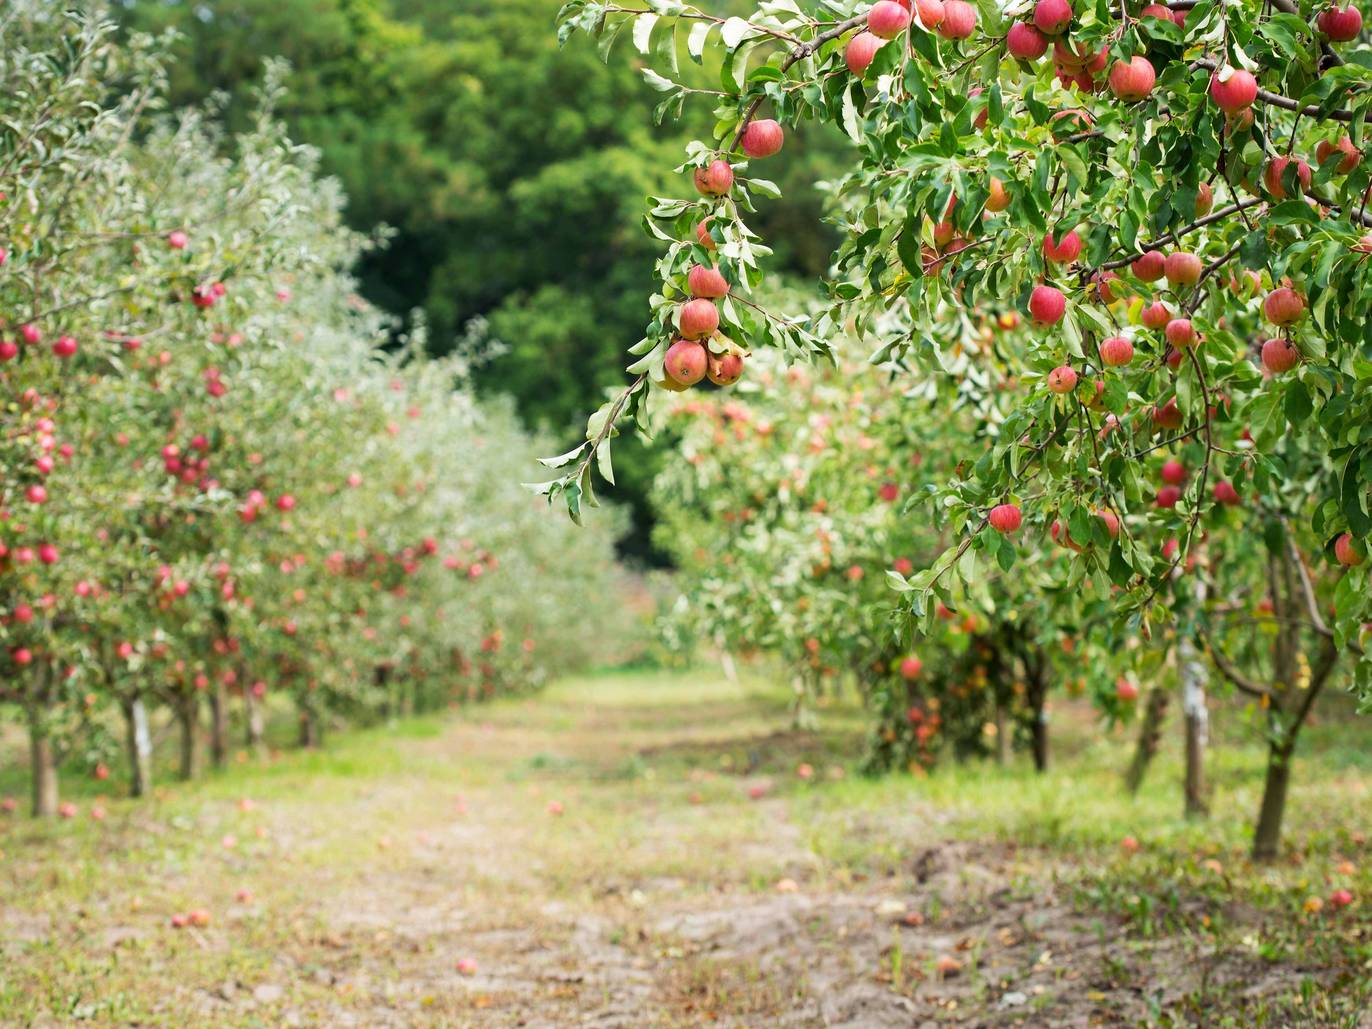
x: 1267, y: 835
x: 187, y: 709
x: 1002, y: 736
x: 310, y: 735
x: 1040, y: 733
x: 42, y: 765
x: 1037, y: 671
x: 255, y: 726
x: 139, y: 742
x: 726, y: 661
x: 1150, y: 733
x: 219, y: 726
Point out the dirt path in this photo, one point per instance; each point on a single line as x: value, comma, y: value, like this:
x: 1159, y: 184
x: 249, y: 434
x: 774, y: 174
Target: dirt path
x: 593, y: 857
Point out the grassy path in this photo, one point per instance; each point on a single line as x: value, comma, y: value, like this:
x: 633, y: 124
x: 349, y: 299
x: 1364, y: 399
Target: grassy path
x: 640, y: 850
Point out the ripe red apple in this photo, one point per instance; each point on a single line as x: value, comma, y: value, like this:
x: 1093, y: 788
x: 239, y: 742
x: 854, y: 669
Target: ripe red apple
x: 1341, y: 25
x: 703, y: 236
x: 706, y: 282
x: 910, y: 667
x: 1132, y: 80
x: 1005, y: 518
x: 9, y: 350
x: 762, y: 138
x: 1126, y: 690
x: 887, y: 19
x: 1046, y: 305
x: 697, y: 318
x: 1150, y: 266
x: 959, y: 20
x: 1156, y: 315
x: 30, y: 333
x: 1116, y: 351
x: 1182, y: 268
x: 1351, y: 155
x: 1180, y: 333
x: 1104, y: 290
x: 1026, y: 42
x: 285, y: 503
x: 724, y: 369
x: 36, y: 494
x: 997, y: 198
x: 178, y: 240
x: 1225, y: 493
x: 64, y: 347
x: 1340, y: 899
x: 1345, y: 553
x: 1278, y: 356
x: 685, y: 362
x: 716, y: 178
x: 1062, y: 379
x: 1173, y: 473
x: 1273, y: 174
x: 1168, y: 496
x: 1233, y: 89
x: 860, y: 51
x: 1284, y: 306
x: 903, y: 565
x: 930, y: 12
x: 1168, y: 416
x: 1052, y: 16
x: 1205, y: 199
x: 1064, y: 252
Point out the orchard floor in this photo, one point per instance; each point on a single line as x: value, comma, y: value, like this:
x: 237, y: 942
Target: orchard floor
x: 664, y: 894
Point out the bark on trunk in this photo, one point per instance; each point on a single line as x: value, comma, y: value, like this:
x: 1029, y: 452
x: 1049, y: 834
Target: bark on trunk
x: 310, y: 735
x: 1002, y: 736
x: 187, y: 710
x: 1267, y: 835
x: 139, y: 742
x: 1150, y: 733
x: 219, y: 726
x: 42, y: 766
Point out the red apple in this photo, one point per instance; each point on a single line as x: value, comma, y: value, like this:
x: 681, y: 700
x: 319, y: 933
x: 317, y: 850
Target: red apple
x: 1342, y: 25
x: 1052, y: 16
x: 1026, y: 42
x: 1233, y: 89
x: 716, y: 178
x: 1005, y: 518
x: 1062, y: 379
x: 1180, y: 332
x: 1116, y: 351
x: 1182, y: 268
x: 1345, y: 553
x: 860, y: 51
x: 697, y: 318
x: 1064, y: 252
x: 762, y: 138
x: 910, y: 667
x: 724, y: 369
x: 1046, y: 305
x: 959, y: 20
x: 1132, y: 80
x: 887, y: 19
x: 685, y: 362
x: 1168, y: 496
x: 1156, y: 315
x: 1283, y: 306
x: 1275, y: 171
x: 1278, y: 356
x: 1173, y: 473
x: 706, y: 282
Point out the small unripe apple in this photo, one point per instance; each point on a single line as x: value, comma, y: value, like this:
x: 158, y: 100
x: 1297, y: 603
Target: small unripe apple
x: 1062, y: 379
x: 1182, y: 268
x: 1052, y: 16
x: 1168, y: 496
x: 1132, y: 80
x: 887, y: 19
x: 1351, y: 155
x: 1278, y: 356
x: 997, y: 198
x: 1180, y: 332
x: 685, y: 362
x: 1026, y: 42
x: 1233, y: 89
x: 910, y: 667
x: 1116, y: 351
x: 1150, y: 266
x: 698, y: 318
x: 716, y: 178
x: 1005, y: 518
x: 1173, y: 473
x: 1284, y: 306
x: 1064, y: 252
x: 1225, y: 493
x: 1047, y: 305
x: 959, y: 20
x: 762, y: 138
x: 706, y: 282
x: 1156, y: 315
x: 1275, y: 171
x: 860, y: 51
x: 1341, y: 25
x: 724, y: 369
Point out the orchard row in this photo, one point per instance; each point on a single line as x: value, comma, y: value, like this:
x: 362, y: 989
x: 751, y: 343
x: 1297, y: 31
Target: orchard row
x: 226, y: 493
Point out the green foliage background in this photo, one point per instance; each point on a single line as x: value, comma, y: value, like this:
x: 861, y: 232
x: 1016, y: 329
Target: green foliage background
x: 512, y: 172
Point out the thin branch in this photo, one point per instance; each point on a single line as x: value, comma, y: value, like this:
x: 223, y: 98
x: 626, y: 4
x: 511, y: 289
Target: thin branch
x: 1240, y: 681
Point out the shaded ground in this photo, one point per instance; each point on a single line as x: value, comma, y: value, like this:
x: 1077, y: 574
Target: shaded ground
x: 423, y: 875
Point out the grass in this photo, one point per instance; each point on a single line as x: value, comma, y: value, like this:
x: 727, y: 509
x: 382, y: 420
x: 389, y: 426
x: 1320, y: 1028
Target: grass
x: 664, y: 890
